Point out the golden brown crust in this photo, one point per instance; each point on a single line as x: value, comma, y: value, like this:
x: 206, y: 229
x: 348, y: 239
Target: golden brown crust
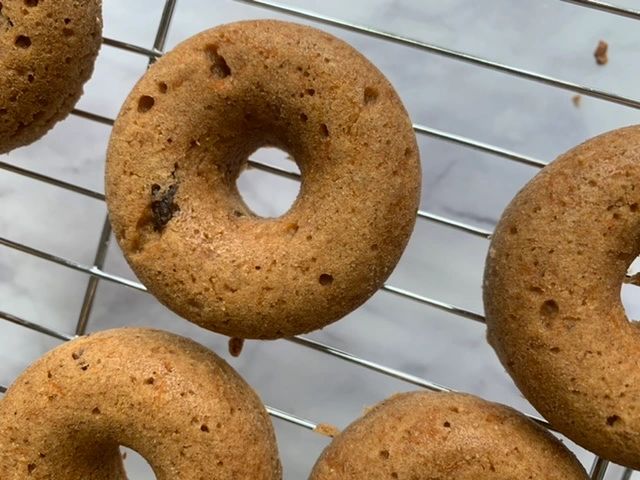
x: 552, y: 294
x: 182, y: 138
x: 441, y: 436
x: 179, y: 405
x: 47, y: 52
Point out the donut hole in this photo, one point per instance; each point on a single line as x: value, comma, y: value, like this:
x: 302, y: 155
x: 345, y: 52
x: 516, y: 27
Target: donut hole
x: 268, y: 195
x: 135, y: 465
x: 630, y: 291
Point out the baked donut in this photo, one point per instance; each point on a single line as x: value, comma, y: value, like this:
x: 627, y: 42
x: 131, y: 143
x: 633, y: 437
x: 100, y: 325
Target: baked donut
x: 445, y: 435
x: 176, y: 403
x: 552, y: 294
x: 47, y: 52
x: 182, y: 138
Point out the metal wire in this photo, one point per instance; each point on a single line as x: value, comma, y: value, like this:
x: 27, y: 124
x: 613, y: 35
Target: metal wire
x: 302, y: 341
x: 599, y: 468
x: 34, y: 326
x: 51, y: 181
x: 92, y: 284
x: 96, y: 272
x: 105, y: 236
x: 606, y: 7
x: 446, y: 52
x: 435, y: 218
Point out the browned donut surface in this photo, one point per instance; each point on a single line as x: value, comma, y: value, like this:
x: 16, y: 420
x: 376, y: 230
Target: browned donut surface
x: 47, y: 51
x: 176, y: 403
x: 552, y: 294
x: 443, y: 436
x: 184, y: 135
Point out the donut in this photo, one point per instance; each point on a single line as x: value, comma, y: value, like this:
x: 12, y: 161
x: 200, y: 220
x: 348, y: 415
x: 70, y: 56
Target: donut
x: 47, y: 52
x: 445, y: 435
x: 184, y: 135
x: 552, y: 285
x: 184, y: 409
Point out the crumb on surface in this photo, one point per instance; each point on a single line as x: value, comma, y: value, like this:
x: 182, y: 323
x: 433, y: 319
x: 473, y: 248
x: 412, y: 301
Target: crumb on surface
x: 577, y: 100
x: 600, y: 53
x: 327, y: 430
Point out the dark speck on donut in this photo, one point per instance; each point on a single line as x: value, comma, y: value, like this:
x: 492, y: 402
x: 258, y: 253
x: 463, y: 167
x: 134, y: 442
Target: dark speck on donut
x: 549, y: 308
x: 23, y: 41
x: 145, y: 103
x: 163, y: 206
x: 219, y: 66
x: 370, y: 95
x: 611, y: 421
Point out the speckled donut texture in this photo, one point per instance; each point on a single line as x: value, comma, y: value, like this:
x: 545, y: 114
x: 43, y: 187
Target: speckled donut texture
x: 552, y: 294
x: 184, y: 135
x: 180, y: 406
x: 443, y: 436
x: 47, y: 52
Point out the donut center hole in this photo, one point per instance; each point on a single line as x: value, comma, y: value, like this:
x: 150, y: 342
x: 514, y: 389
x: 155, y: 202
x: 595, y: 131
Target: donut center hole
x: 136, y: 466
x: 265, y: 192
x: 630, y: 291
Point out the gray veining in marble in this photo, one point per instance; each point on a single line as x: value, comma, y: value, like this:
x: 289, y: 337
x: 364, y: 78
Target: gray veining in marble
x: 547, y: 36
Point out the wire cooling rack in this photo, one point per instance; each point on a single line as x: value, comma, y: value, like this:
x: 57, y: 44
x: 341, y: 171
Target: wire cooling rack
x: 95, y: 271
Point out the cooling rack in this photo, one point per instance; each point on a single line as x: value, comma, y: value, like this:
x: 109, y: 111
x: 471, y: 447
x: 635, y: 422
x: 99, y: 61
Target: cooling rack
x: 96, y: 271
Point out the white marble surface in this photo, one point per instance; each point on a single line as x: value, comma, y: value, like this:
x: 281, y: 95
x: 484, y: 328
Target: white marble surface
x: 543, y: 35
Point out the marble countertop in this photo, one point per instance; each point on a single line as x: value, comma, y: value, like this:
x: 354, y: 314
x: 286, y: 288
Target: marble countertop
x: 547, y: 36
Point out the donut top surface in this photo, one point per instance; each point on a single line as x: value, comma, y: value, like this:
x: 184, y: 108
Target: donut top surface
x: 552, y: 294
x: 185, y: 410
x: 47, y: 51
x: 442, y: 436
x: 183, y: 137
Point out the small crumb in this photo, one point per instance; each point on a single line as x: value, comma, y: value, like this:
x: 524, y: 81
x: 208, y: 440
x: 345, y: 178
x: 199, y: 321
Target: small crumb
x: 327, y: 430
x: 601, y: 53
x: 124, y: 455
x: 235, y: 346
x: 577, y: 100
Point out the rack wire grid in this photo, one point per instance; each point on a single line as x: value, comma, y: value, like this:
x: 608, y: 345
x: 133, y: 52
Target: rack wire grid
x: 485, y: 82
